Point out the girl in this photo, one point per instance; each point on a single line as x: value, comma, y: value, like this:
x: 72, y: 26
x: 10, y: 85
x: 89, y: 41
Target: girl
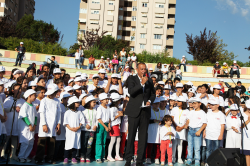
x: 163, y: 104
x: 233, y: 125
x: 27, y: 122
x: 154, y: 132
x: 215, y: 127
x: 158, y: 91
x: 167, y: 93
x: 197, y: 123
x: 95, y: 79
x: 32, y: 85
x: 216, y: 92
x: 71, y: 82
x: 179, y: 89
x: 77, y: 91
x: 30, y: 75
x: 167, y: 133
x: 73, y: 121
x: 179, y: 114
x: 115, y: 117
x: 103, y: 114
x: 40, y: 81
x: 66, y: 78
x: 114, y: 83
x: 50, y: 120
x: 88, y: 132
x: 82, y: 99
x: 191, y: 93
x: 171, y: 104
x: 246, y: 148
x: 102, y: 63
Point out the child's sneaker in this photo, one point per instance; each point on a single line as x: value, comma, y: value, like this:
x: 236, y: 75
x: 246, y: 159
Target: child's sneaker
x: 87, y: 160
x: 82, y: 160
x: 188, y: 162
x: 180, y: 161
x: 28, y: 160
x: 98, y: 161
x: 206, y: 164
x: 157, y: 161
x: 74, y: 161
x: 197, y: 163
x: 110, y: 159
x: 22, y: 160
x: 148, y: 161
x: 162, y: 163
x: 118, y: 158
x: 170, y: 164
x: 65, y: 161
x: 105, y: 160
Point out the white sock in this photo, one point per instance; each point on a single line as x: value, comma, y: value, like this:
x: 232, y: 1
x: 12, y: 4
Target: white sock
x: 118, y: 141
x: 111, y: 144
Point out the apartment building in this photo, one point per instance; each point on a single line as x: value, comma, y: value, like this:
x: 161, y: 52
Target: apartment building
x: 147, y: 24
x: 16, y: 9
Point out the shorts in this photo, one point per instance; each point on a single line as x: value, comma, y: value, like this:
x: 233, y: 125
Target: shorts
x: 3, y: 138
x: 218, y: 72
x: 245, y: 152
x: 115, y: 131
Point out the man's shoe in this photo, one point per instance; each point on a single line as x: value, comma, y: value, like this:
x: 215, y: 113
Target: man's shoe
x: 128, y: 163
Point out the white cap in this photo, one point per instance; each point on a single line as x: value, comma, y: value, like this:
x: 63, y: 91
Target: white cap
x: 150, y: 68
x: 154, y: 75
x: 224, y: 63
x: 83, y: 95
x: 2, y: 68
x: 103, y: 96
x: 52, y: 88
x: 114, y: 76
x: 235, y: 107
x: 235, y: 61
x: 208, y: 84
x: 57, y: 70
x: 172, y: 97
x: 126, y: 67
x: 115, y: 97
x: 157, y: 100
x: 217, y: 87
x: 103, y: 71
x: 182, y: 99
x: 247, y: 104
x: 191, y: 90
x: 84, y: 75
x: 95, y: 76
x: 221, y: 80
x: 217, y: 62
x: 28, y: 93
x: 68, y: 88
x: 191, y: 100
x: 179, y: 85
x: 183, y: 56
x: 164, y: 64
x: 64, y: 95
x: 18, y: 72
x: 1, y: 82
x: 107, y: 58
x: 102, y: 57
x: 167, y: 86
x: 76, y: 87
x: 21, y: 42
x: 84, y: 79
x: 115, y: 56
x: 32, y: 83
x: 189, y: 83
x: 161, y: 83
x: 72, y: 100
x: 90, y: 98
x: 196, y: 99
x: 71, y: 80
x: 195, y: 88
x: 77, y: 79
x: 119, y: 75
x: 214, y: 101
x: 78, y: 73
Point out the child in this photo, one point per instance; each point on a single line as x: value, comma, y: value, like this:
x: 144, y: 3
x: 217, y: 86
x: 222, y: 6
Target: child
x: 57, y: 75
x: 107, y: 65
x: 27, y: 122
x: 73, y: 121
x: 32, y: 85
x: 179, y: 114
x: 77, y: 90
x: 115, y: 63
x: 102, y: 63
x: 215, y: 127
x: 197, y: 123
x: 95, y: 79
x: 2, y: 73
x: 114, y: 83
x: 167, y: 133
x: 150, y: 70
x: 3, y: 118
x: 225, y: 69
x: 69, y: 89
x: 233, y: 124
x: 125, y: 74
x: 40, y: 81
x: 103, y: 114
x: 71, y: 82
x: 115, y: 117
x: 88, y: 132
x: 60, y: 137
x: 178, y: 72
x: 163, y: 104
x: 179, y: 89
x: 154, y: 131
x: 167, y: 91
x: 50, y: 120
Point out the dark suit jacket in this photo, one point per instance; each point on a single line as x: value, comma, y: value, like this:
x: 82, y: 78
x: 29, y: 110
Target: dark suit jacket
x: 137, y: 95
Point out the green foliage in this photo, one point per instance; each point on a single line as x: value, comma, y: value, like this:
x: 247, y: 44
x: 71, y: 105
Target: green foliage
x: 73, y: 48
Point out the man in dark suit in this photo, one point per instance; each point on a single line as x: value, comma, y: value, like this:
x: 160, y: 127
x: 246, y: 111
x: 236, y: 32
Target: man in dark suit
x: 142, y: 94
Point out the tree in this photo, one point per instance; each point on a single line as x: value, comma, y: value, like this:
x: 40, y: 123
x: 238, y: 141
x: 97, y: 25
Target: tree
x: 202, y: 47
x: 73, y: 48
x: 7, y: 28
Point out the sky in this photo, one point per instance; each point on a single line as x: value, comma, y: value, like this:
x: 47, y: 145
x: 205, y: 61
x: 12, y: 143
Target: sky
x: 230, y: 18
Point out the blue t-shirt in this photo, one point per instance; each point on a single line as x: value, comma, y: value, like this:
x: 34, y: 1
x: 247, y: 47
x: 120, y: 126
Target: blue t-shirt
x: 247, y: 93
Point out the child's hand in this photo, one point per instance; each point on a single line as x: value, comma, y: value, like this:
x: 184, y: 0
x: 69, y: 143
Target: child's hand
x: 237, y: 131
x: 233, y: 127
x: 198, y: 133
x: 94, y: 128
x: 107, y: 129
x: 34, y: 128
x: 88, y: 127
x: 57, y: 127
x: 220, y: 137
x: 127, y: 132
x: 204, y: 134
x: 17, y: 109
x: 30, y: 127
x: 37, y: 107
x: 45, y: 128
x: 58, y: 132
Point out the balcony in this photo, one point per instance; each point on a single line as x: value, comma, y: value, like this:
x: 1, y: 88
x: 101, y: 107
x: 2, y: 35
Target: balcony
x: 94, y: 17
x: 157, y: 41
x: 144, y: 1
x: 144, y: 9
x: 160, y: 1
x: 108, y: 28
x: 143, y: 30
x: 160, y: 10
x: 127, y: 9
x: 172, y: 2
x: 110, y: 18
x: 159, y: 20
x: 143, y: 41
x: 144, y: 20
x: 158, y: 31
x: 127, y: 18
x: 111, y: 7
x: 170, y: 32
x: 95, y: 6
x: 171, y: 21
x: 133, y: 23
x: 170, y: 42
x: 171, y: 11
x: 93, y: 26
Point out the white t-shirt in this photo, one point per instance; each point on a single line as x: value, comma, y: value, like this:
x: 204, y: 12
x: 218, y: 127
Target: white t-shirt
x: 196, y: 118
x: 204, y: 100
x: 90, y: 119
x: 164, y: 130
x: 91, y: 87
x: 164, y: 69
x: 125, y: 76
x: 183, y: 94
x: 183, y: 61
x: 178, y: 71
x: 113, y: 113
x: 122, y: 53
x: 214, y: 122
x: 77, y: 55
x: 222, y: 102
x: 133, y: 58
x: 103, y: 114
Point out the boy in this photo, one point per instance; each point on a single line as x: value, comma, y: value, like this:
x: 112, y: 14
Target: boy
x: 57, y: 75
x: 95, y: 84
x: 125, y: 74
x: 178, y: 72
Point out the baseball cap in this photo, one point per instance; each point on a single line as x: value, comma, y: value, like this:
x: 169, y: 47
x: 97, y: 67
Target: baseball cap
x: 64, y: 95
x: 221, y: 80
x: 78, y: 73
x: 115, y: 97
x: 83, y: 95
x: 196, y: 99
x: 154, y: 75
x: 179, y: 85
x: 2, y: 68
x: 72, y: 100
x: 84, y: 75
x: 235, y: 61
x: 189, y: 83
x: 172, y: 97
x: 103, y: 96
x: 90, y: 98
x: 77, y: 79
x: 103, y: 71
x: 217, y: 87
x: 224, y: 63
x: 217, y: 62
x: 157, y: 100
x: 71, y: 80
x: 114, y: 76
x: 115, y: 56
x: 126, y: 67
x: 95, y: 76
x: 28, y: 93
x: 234, y: 107
x: 164, y: 64
x: 68, y: 88
x: 183, y: 56
x: 214, y: 101
x: 32, y: 83
x: 102, y: 57
x: 21, y: 42
x: 107, y: 58
x: 52, y: 88
x: 208, y: 84
x: 161, y: 83
x: 167, y: 86
x: 191, y: 90
x: 163, y: 98
x: 76, y: 87
x: 150, y: 69
x: 181, y: 98
x: 57, y: 70
x: 18, y: 72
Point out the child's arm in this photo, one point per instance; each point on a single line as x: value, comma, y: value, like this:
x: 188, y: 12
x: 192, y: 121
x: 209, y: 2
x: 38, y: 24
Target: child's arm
x: 72, y: 129
x: 198, y: 133
x: 120, y: 87
x: 221, y: 132
x: 108, y: 86
x: 101, y: 122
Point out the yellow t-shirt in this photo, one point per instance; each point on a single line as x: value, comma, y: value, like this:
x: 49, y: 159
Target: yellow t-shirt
x: 225, y: 67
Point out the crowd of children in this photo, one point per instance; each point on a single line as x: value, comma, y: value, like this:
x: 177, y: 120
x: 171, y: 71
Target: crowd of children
x: 60, y: 118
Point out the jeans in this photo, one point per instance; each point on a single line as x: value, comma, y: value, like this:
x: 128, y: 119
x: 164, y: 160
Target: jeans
x: 116, y: 67
x: 91, y: 66
x: 19, y: 58
x: 82, y: 60
x: 237, y: 72
x: 203, y: 153
x: 185, y: 68
x: 212, y: 145
x: 179, y: 76
x: 67, y: 152
x: 77, y: 61
x: 59, y: 149
x: 87, y: 138
x: 194, y: 142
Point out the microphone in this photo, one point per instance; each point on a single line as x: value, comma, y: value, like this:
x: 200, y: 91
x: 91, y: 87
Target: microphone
x: 49, y: 59
x: 227, y: 85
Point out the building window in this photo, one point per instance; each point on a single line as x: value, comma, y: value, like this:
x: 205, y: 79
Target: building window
x: 94, y: 11
x: 157, y: 47
x: 159, y: 5
x: 159, y: 16
x: 134, y: 8
x: 94, y: 22
x: 157, y: 36
x: 109, y: 23
x: 111, y: 2
x: 133, y: 18
x: 144, y: 4
x: 96, y: 1
x: 120, y: 8
x: 132, y: 38
x: 143, y: 25
x: 144, y: 15
x: 120, y: 27
x: 111, y: 13
x: 83, y: 10
x: 120, y: 17
x: 10, y: 9
x: 82, y: 31
x: 2, y: 4
x: 133, y: 29
x: 82, y: 20
x: 159, y: 26
x: 143, y: 35
x: 119, y: 36
x: 142, y: 46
